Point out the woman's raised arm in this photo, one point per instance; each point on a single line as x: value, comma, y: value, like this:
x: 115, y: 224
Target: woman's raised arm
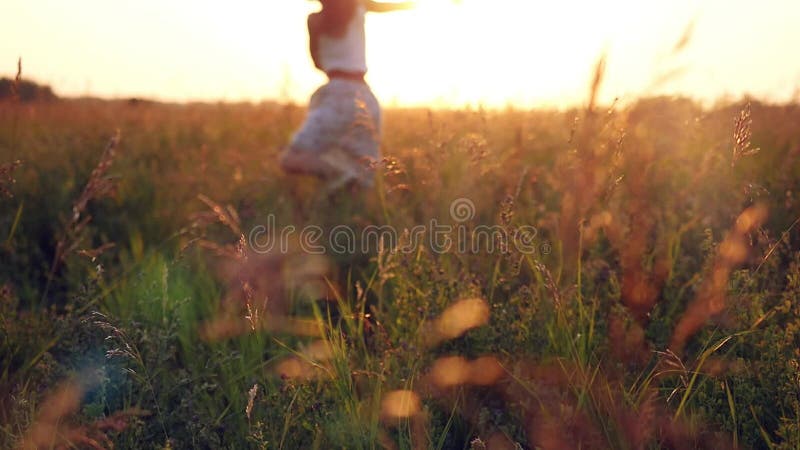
x: 373, y: 6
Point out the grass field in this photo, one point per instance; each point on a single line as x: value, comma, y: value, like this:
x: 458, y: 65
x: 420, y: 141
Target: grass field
x: 655, y: 304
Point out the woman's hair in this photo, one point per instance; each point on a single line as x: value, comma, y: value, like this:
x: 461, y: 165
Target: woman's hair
x: 336, y: 14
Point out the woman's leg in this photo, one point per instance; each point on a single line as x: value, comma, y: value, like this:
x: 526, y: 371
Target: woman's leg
x: 361, y: 143
x: 300, y: 162
x: 302, y: 156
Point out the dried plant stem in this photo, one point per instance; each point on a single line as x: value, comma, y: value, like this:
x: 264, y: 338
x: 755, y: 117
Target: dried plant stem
x: 775, y: 245
x: 97, y: 187
x: 15, y: 87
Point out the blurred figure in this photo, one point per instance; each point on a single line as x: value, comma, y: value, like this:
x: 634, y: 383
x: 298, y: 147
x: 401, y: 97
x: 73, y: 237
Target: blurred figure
x: 341, y: 133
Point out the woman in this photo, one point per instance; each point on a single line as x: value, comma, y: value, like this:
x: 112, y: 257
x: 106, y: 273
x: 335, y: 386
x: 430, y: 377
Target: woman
x: 340, y: 136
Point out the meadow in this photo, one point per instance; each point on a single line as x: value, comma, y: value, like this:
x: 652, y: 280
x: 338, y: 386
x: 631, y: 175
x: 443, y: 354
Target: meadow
x: 655, y: 307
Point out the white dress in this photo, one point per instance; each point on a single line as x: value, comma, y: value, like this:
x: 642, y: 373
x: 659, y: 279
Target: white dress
x: 342, y: 126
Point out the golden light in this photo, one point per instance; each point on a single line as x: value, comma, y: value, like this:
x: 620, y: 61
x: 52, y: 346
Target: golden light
x: 442, y: 53
x: 452, y: 371
x: 458, y: 318
x: 400, y: 404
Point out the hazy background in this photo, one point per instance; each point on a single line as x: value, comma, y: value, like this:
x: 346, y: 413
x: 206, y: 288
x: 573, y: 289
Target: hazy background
x: 445, y: 53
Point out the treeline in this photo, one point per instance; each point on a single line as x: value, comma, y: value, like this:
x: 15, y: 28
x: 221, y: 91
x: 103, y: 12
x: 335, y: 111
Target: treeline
x: 26, y: 91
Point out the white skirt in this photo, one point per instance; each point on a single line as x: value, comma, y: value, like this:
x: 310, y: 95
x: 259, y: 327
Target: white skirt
x: 343, y: 122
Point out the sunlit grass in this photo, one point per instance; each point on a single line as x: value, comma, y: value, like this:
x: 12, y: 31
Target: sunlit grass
x: 658, y: 311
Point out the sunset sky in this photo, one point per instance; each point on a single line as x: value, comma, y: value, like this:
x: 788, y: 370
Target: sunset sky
x: 444, y: 53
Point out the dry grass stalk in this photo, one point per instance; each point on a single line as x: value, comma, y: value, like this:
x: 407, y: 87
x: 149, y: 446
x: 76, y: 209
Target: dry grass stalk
x: 225, y: 215
x: 742, y: 135
x: 17, y: 82
x: 685, y: 38
x: 98, y: 186
x: 216, y: 213
x: 550, y: 284
x: 94, y: 253
x: 251, y: 398
x: 585, y: 174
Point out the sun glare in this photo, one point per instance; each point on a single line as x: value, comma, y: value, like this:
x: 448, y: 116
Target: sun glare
x: 504, y: 51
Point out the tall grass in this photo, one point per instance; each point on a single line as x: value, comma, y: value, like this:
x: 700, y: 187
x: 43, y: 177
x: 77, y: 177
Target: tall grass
x: 657, y: 312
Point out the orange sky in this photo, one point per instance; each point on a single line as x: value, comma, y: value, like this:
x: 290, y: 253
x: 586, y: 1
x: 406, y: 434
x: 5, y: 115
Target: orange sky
x: 444, y: 53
